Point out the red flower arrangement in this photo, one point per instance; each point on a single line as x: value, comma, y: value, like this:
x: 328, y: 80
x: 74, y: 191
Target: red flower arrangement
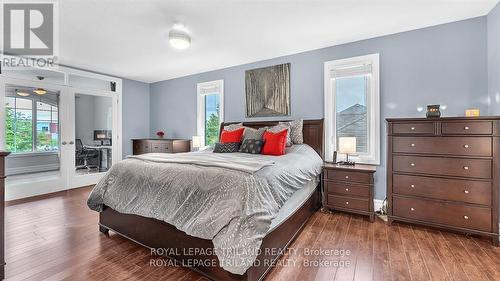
x: 160, y: 134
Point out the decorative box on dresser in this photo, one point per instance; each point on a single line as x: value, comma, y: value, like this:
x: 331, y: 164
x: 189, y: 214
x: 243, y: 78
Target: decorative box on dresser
x: 445, y: 172
x: 141, y: 146
x: 3, y: 154
x: 349, y: 188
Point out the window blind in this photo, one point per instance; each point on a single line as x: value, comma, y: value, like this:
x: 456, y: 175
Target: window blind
x: 352, y: 70
x: 210, y: 89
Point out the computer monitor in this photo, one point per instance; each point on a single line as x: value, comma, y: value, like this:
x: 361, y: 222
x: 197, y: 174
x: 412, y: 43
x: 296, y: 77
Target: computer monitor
x: 102, y: 136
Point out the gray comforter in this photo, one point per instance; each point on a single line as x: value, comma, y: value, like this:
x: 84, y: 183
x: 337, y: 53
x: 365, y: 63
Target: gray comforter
x: 231, y: 202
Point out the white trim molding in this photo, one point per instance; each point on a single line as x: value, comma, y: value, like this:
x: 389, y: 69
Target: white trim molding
x: 368, y: 65
x: 203, y: 89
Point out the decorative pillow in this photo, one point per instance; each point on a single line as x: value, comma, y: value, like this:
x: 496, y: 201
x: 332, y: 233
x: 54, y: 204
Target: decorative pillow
x: 296, y: 127
x: 227, y: 147
x: 233, y: 127
x: 274, y: 143
x: 231, y: 136
x: 253, y: 134
x: 279, y: 128
x: 252, y: 146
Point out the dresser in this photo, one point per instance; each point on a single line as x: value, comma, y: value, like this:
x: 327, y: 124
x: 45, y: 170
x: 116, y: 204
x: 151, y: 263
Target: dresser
x: 349, y: 188
x: 3, y: 154
x: 141, y: 146
x: 445, y: 173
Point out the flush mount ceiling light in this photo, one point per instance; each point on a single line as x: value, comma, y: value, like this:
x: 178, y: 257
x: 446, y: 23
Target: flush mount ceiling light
x: 22, y: 93
x: 179, y: 37
x: 40, y: 91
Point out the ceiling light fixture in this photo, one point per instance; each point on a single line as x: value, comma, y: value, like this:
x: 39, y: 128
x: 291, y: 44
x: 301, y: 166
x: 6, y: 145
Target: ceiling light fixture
x: 179, y: 37
x: 40, y: 91
x: 22, y: 93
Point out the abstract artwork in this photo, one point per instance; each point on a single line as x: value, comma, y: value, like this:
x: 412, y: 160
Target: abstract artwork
x: 268, y: 91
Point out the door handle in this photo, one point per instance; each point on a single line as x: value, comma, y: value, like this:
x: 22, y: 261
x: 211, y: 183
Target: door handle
x: 71, y: 142
x: 64, y: 143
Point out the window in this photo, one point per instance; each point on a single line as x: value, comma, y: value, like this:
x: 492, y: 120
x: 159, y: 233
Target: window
x: 31, y: 126
x: 352, y: 106
x: 210, y: 111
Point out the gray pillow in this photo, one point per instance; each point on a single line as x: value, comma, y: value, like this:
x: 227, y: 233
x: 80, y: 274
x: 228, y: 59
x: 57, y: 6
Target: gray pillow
x: 233, y: 127
x: 296, y: 134
x: 228, y: 147
x: 252, y: 146
x: 253, y: 134
x: 280, y: 127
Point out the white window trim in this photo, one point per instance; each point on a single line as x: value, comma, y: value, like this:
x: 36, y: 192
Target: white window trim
x: 201, y: 106
x: 373, y: 99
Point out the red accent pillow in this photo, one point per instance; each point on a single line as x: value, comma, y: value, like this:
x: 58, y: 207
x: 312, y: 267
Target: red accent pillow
x: 274, y: 143
x: 231, y: 136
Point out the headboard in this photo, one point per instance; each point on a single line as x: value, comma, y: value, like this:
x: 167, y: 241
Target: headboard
x: 313, y: 131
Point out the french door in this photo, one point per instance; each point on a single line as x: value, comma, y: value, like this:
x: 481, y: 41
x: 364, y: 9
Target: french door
x: 90, y: 135
x: 60, y: 136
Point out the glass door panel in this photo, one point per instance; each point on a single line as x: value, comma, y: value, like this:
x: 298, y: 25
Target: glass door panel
x: 31, y: 129
x: 94, y: 136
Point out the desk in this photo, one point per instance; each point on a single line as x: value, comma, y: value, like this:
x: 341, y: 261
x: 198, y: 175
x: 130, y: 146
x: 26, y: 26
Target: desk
x: 104, y: 154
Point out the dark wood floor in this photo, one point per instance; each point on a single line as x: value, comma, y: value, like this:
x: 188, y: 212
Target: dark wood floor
x: 56, y: 238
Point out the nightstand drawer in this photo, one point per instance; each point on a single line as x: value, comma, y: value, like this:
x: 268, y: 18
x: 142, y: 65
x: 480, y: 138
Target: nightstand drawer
x: 345, y: 202
x: 347, y: 189
x: 349, y: 176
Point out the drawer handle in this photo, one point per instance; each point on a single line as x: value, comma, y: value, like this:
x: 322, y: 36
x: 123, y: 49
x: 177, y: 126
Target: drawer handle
x: 466, y: 217
x: 412, y: 145
x: 466, y: 167
x: 347, y: 202
x: 347, y: 189
x: 466, y: 191
x: 466, y: 128
x: 412, y: 209
x: 412, y: 128
x: 347, y: 177
x: 412, y: 164
x: 466, y: 145
x: 412, y: 186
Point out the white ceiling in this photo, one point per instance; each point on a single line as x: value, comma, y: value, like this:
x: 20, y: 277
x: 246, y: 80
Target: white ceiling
x: 129, y: 38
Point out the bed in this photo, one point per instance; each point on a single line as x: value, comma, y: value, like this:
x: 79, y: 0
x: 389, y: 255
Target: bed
x: 200, y: 254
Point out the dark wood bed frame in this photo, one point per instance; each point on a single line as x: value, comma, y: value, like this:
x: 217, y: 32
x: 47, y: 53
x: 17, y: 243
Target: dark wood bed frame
x: 157, y: 234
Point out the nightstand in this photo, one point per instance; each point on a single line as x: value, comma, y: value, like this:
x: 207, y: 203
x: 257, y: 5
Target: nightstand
x: 348, y: 188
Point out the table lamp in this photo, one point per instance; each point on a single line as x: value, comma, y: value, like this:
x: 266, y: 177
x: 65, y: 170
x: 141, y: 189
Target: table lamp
x: 196, y: 142
x: 347, y: 145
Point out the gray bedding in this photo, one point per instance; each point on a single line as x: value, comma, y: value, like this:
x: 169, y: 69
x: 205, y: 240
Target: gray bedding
x: 231, y: 202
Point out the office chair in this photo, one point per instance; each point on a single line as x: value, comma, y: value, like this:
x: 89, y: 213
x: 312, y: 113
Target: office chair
x: 84, y: 154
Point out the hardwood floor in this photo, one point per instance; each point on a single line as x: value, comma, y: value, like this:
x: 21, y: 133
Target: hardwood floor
x: 56, y: 238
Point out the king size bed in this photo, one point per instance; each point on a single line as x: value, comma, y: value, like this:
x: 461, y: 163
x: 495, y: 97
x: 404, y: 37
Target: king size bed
x: 227, y: 216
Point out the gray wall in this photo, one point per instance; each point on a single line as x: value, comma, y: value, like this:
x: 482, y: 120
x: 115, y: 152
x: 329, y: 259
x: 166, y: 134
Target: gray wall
x: 494, y: 59
x: 135, y: 107
x: 445, y: 64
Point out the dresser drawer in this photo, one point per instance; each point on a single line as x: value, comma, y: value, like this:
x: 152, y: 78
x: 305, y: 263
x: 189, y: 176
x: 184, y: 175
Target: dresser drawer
x: 462, y: 146
x: 345, y: 202
x: 478, y: 218
x: 475, y: 192
x: 467, y: 128
x: 161, y: 146
x: 347, y: 189
x: 349, y: 176
x: 471, y: 168
x: 413, y: 128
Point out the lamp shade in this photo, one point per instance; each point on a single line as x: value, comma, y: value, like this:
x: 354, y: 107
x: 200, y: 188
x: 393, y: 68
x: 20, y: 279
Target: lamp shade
x: 347, y: 145
x: 196, y: 141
